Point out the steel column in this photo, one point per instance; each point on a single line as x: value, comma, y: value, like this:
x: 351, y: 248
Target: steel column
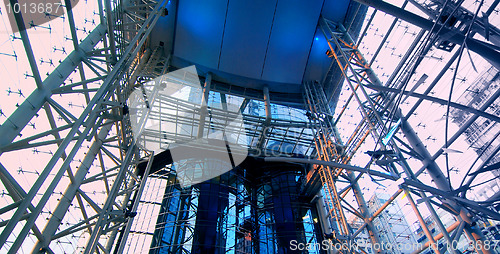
x: 70, y: 193
x: 34, y: 102
x: 434, y: 170
x: 204, y: 104
x: 267, y: 122
x: 26, y: 43
x: 94, y: 113
x: 422, y: 222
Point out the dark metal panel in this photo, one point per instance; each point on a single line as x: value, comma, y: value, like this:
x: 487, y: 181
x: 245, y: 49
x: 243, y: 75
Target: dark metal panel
x: 199, y: 31
x: 335, y: 10
x: 292, y: 35
x: 246, y: 36
x: 318, y: 62
x: 164, y: 30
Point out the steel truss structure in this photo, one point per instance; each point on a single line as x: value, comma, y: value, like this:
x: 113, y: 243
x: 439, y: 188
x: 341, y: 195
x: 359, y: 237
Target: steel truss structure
x: 88, y: 193
x: 98, y: 132
x: 379, y: 112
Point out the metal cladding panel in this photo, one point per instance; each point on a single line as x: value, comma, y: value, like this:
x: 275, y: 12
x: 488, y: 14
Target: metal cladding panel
x: 318, y: 63
x: 335, y: 10
x: 246, y: 36
x: 261, y: 42
x: 165, y: 28
x: 199, y: 30
x: 291, y: 39
x: 318, y: 59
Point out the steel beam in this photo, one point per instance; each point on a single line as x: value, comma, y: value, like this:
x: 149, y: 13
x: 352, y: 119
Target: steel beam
x: 436, y: 100
x: 436, y: 238
x: 433, y: 169
x: 26, y: 43
x: 431, y: 86
x: 486, y: 30
x: 135, y: 203
x: 386, y: 36
x: 386, y: 204
x: 34, y: 102
x: 488, y: 51
x: 422, y: 223
x: 267, y: 122
x: 373, y: 233
x: 106, y: 215
x: 74, y: 37
x: 89, y: 114
x: 110, y: 23
x: 204, y: 105
x: 71, y: 191
x: 332, y: 164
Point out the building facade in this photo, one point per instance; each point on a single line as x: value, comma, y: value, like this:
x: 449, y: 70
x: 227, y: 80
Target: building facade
x: 255, y: 208
x: 394, y: 230
x: 483, y: 130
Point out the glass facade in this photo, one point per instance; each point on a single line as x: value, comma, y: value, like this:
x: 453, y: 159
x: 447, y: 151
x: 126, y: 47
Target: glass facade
x: 255, y: 208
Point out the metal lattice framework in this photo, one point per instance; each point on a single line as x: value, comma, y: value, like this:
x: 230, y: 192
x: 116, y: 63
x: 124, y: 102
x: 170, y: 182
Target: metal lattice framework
x: 99, y: 127
x: 88, y: 193
x: 378, y: 111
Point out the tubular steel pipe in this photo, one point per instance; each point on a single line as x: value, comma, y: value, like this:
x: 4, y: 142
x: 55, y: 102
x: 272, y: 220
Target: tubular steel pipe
x: 71, y: 191
x: 332, y: 164
x: 431, y: 165
x: 204, y: 104
x: 437, y: 237
x: 483, y: 49
x: 422, y: 222
x: 267, y: 123
x: 363, y: 207
x: 389, y: 201
x: 27, y: 45
x: 27, y: 110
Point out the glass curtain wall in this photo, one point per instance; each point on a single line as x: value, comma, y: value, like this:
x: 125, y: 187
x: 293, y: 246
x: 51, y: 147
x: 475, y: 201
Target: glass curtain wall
x: 255, y: 208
